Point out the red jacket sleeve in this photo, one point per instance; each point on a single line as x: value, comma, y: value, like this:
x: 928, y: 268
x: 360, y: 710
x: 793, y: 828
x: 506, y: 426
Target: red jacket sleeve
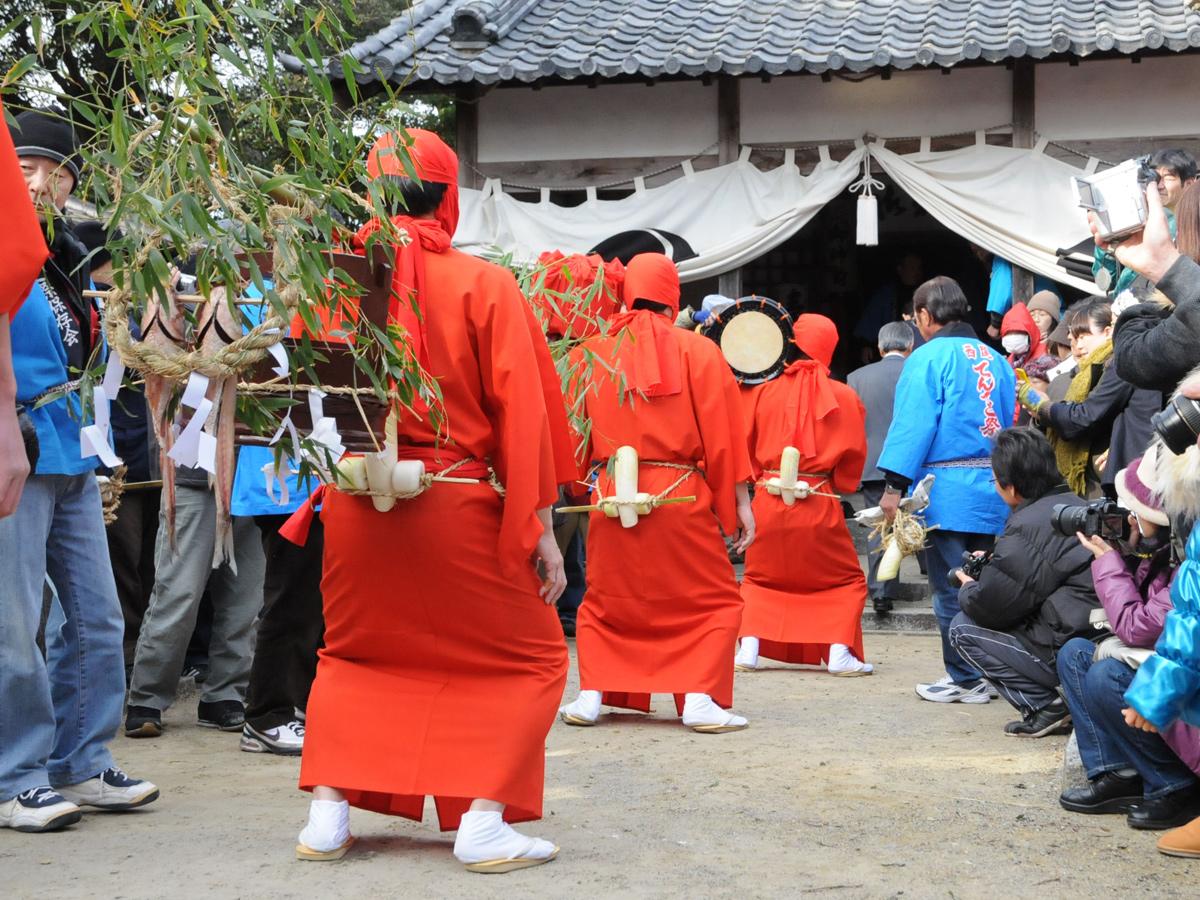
x: 22, y: 246
x: 556, y: 409
x: 720, y: 417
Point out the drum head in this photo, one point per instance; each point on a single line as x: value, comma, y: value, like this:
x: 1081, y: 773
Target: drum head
x: 753, y: 335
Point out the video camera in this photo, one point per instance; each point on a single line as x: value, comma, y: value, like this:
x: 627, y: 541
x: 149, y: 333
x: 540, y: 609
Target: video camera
x: 1103, y: 518
x: 1118, y: 197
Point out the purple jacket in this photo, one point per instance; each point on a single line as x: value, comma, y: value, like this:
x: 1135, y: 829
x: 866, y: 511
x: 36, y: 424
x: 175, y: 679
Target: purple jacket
x: 1138, y: 621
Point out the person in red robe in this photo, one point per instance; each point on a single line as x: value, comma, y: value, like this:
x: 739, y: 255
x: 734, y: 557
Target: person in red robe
x: 577, y: 293
x: 662, y: 609
x: 806, y: 607
x: 24, y: 251
x: 444, y: 661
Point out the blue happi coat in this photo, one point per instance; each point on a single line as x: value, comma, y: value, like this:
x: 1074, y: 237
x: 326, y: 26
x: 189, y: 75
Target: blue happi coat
x: 954, y: 396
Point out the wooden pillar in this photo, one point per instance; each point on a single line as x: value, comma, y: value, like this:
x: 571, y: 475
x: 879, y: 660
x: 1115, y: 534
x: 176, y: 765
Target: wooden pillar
x: 1023, y: 120
x: 466, y: 120
x: 729, y: 141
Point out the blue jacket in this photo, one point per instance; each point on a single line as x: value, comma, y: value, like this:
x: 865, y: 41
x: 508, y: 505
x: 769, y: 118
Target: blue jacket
x: 1167, y: 686
x: 954, y: 396
x: 1000, y: 286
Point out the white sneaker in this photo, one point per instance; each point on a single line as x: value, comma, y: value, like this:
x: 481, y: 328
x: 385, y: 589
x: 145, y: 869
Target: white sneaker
x: 701, y: 714
x: 112, y: 789
x: 327, y: 836
x: 38, y: 809
x: 486, y: 843
x: 284, y: 740
x: 845, y: 664
x: 583, y: 711
x: 944, y: 690
x: 746, y: 659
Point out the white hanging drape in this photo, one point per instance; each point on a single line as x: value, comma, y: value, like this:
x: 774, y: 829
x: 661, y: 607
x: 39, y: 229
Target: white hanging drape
x: 730, y: 215
x: 1017, y: 204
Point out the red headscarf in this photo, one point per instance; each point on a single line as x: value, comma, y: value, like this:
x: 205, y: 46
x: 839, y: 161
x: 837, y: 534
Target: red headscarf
x: 812, y: 398
x: 575, y: 303
x: 653, y: 354
x: 433, y: 161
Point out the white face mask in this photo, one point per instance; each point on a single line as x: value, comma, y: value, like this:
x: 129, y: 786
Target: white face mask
x: 1016, y: 343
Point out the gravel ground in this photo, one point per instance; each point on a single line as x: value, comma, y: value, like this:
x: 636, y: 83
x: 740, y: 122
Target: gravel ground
x: 843, y: 788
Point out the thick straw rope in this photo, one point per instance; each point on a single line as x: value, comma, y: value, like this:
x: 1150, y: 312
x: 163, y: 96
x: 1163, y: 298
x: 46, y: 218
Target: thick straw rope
x: 908, y: 531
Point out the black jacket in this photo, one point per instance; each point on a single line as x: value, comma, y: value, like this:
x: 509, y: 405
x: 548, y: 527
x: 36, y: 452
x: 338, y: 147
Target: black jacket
x: 1156, y: 352
x: 1038, y: 585
x: 1114, y: 417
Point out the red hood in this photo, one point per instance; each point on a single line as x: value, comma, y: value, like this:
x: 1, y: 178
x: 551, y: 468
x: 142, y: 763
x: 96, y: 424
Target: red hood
x: 1018, y: 319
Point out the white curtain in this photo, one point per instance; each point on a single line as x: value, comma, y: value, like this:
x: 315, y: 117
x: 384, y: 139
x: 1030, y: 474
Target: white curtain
x: 730, y: 215
x: 1017, y: 204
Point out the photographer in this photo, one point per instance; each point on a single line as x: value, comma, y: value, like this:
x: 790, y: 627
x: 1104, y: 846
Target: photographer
x: 1128, y: 770
x: 1104, y: 422
x: 1152, y: 347
x: 1176, y: 170
x: 1035, y: 593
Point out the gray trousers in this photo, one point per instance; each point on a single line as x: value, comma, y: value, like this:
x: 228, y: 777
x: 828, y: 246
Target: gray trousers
x: 1024, y: 680
x: 179, y: 583
x: 872, y: 492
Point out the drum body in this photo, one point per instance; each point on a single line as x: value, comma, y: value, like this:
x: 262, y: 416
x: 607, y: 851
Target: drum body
x: 755, y: 336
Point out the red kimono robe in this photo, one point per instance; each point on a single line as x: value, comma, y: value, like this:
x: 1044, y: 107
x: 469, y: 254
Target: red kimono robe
x: 661, y: 611
x: 803, y: 586
x: 442, y: 668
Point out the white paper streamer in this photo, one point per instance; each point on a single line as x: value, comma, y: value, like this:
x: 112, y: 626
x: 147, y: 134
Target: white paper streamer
x: 279, y: 353
x: 96, y: 439
x: 193, y: 393
x: 186, y: 451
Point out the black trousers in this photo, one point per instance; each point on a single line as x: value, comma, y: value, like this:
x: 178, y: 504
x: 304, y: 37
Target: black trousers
x: 1023, y: 679
x: 131, y: 547
x: 291, y: 629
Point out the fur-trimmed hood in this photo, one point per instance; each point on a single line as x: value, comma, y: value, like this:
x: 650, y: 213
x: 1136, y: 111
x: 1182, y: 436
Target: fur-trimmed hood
x: 1179, y: 476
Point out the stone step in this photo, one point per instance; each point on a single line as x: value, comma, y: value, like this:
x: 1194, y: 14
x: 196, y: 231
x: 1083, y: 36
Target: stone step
x: 915, y: 619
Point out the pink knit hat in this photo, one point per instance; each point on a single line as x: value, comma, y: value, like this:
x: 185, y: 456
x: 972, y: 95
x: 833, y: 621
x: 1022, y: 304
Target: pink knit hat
x: 1136, y: 486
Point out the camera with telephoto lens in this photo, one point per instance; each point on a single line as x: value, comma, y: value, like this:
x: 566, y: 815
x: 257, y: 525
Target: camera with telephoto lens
x: 1179, y: 424
x: 972, y: 566
x: 1103, y: 518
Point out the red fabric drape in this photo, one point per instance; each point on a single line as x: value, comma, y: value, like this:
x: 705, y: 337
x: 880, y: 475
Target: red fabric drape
x: 811, y: 398
x: 653, y: 365
x: 22, y: 246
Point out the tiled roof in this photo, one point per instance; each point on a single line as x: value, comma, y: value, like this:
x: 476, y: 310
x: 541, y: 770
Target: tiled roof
x: 452, y: 42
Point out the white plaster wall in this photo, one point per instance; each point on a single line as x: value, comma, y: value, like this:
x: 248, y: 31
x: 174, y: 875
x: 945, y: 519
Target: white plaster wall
x: 909, y: 104
x: 1118, y: 99
x: 577, y: 122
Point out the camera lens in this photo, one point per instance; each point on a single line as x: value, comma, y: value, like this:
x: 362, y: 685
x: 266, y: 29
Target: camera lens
x: 1068, y: 519
x: 1179, y: 424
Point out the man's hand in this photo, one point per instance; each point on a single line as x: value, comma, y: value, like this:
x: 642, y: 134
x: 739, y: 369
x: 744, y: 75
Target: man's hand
x: 14, y: 464
x: 1151, y: 251
x: 1135, y: 719
x: 889, y: 503
x: 993, y: 332
x: 963, y: 577
x: 1095, y: 544
x: 744, y: 536
x: 547, y: 554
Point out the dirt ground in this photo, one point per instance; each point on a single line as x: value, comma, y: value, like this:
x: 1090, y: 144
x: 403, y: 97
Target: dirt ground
x: 843, y: 788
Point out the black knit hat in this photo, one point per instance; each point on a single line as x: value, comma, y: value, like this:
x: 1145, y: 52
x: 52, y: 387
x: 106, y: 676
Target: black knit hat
x: 38, y: 134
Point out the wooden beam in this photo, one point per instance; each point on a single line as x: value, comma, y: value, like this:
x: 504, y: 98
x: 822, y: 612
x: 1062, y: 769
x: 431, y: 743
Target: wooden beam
x: 729, y: 141
x: 1023, y: 124
x: 466, y: 120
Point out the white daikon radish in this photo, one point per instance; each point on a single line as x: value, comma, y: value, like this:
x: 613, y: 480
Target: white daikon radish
x: 407, y: 475
x: 642, y: 503
x: 625, y: 479
x: 380, y: 465
x: 352, y: 473
x: 789, y: 467
x: 889, y: 565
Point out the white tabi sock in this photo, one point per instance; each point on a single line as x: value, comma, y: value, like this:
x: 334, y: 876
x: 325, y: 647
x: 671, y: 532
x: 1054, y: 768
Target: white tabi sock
x: 699, y: 709
x: 485, y: 836
x: 328, y: 825
x: 747, y: 654
x: 585, y: 706
x: 841, y: 660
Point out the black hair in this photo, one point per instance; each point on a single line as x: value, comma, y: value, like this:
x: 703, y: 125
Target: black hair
x: 413, y: 198
x: 1093, y: 312
x: 1178, y: 161
x: 660, y: 308
x: 944, y: 300
x: 1023, y: 459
